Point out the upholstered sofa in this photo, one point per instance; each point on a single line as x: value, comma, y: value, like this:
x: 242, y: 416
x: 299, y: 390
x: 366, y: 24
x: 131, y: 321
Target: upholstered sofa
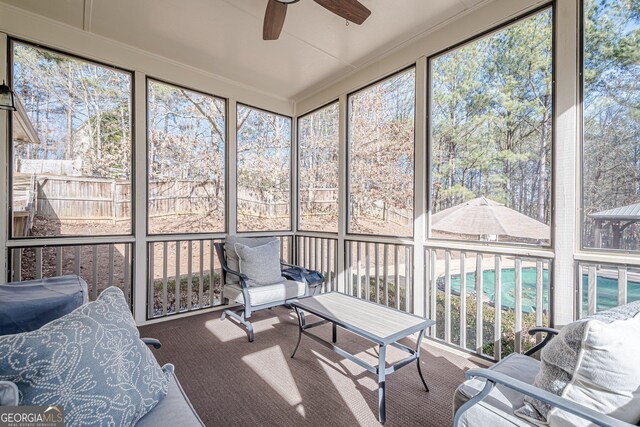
x: 588, y: 374
x: 58, y: 297
x: 175, y: 409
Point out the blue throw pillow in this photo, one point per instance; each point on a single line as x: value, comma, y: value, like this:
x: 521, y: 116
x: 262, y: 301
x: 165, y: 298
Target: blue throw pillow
x: 91, y: 361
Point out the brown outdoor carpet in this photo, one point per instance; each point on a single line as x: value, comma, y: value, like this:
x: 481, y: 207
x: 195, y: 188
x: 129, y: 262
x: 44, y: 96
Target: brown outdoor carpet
x: 232, y: 382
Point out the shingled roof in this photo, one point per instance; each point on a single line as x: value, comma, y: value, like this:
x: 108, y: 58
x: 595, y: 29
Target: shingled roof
x: 623, y: 213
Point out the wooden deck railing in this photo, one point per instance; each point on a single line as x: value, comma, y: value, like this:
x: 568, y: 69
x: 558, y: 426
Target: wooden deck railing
x: 380, y: 272
x: 475, y: 308
x: 481, y: 311
x: 100, y: 265
x: 185, y: 275
x: 320, y: 254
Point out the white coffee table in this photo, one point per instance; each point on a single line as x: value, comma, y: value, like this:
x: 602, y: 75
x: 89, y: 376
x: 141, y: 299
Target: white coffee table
x: 380, y: 324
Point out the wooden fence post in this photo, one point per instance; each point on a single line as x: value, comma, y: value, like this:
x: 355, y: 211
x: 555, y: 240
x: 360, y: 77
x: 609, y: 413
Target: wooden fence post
x: 114, y: 207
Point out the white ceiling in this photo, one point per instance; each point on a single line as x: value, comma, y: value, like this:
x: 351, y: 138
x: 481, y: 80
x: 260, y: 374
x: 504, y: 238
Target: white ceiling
x: 225, y: 36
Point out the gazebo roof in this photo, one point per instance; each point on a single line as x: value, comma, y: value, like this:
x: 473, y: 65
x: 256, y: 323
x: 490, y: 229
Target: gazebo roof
x: 483, y: 216
x: 623, y: 213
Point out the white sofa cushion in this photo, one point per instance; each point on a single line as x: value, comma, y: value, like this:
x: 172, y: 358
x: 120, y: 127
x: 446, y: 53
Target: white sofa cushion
x: 261, y: 264
x: 267, y: 294
x: 593, y: 362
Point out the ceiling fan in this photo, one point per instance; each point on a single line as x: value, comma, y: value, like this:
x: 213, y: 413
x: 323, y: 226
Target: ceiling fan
x: 351, y: 10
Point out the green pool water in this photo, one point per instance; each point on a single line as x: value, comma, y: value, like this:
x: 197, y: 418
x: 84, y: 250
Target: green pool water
x: 607, y: 288
x: 508, y: 285
x: 607, y: 292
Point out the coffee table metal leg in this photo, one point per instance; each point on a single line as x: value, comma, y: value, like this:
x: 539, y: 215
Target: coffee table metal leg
x: 382, y: 368
x: 334, y: 335
x: 300, y: 328
x: 418, y: 348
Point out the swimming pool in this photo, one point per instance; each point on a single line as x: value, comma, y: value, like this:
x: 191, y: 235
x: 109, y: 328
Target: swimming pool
x: 607, y: 288
x: 508, y: 285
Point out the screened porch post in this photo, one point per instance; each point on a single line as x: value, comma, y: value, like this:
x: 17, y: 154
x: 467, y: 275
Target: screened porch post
x: 342, y: 190
x: 421, y: 185
x: 4, y: 151
x: 566, y: 167
x: 294, y: 211
x: 139, y: 266
x: 231, y: 167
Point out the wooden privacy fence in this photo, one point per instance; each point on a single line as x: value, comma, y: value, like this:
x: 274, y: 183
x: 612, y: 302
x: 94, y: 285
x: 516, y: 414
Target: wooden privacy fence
x: 103, y: 199
x: 383, y: 211
x: 318, y: 201
x: 263, y: 203
x: 100, y: 199
x: 24, y: 201
x: 76, y: 198
x: 175, y: 197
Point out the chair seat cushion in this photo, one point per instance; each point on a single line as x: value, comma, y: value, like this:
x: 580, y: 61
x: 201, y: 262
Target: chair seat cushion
x: 174, y: 410
x: 267, y: 294
x: 498, y: 407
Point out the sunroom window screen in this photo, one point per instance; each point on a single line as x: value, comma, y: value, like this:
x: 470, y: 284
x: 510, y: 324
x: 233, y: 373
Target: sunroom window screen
x: 491, y: 134
x: 264, y: 170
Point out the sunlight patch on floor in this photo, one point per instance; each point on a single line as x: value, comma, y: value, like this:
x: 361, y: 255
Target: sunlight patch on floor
x: 348, y: 390
x: 229, y: 330
x: 272, y: 366
x: 225, y: 333
x: 352, y: 370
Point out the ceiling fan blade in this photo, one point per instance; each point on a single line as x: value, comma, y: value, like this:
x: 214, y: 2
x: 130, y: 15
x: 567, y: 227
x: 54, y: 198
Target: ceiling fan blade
x: 273, y: 20
x: 351, y: 10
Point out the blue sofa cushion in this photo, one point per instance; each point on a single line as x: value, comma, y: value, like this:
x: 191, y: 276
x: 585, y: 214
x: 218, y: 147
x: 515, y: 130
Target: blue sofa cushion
x: 26, y: 306
x: 91, y: 362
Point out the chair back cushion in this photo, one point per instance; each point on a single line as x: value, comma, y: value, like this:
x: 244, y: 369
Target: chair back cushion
x: 232, y: 256
x: 261, y: 264
x: 594, y: 362
x: 91, y: 362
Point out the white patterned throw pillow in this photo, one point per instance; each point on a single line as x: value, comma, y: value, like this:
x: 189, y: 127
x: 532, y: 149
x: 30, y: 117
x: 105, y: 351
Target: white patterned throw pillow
x: 91, y: 362
x: 594, y: 362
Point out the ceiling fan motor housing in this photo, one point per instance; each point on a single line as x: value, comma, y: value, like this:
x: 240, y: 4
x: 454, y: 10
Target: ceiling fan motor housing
x: 351, y: 10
